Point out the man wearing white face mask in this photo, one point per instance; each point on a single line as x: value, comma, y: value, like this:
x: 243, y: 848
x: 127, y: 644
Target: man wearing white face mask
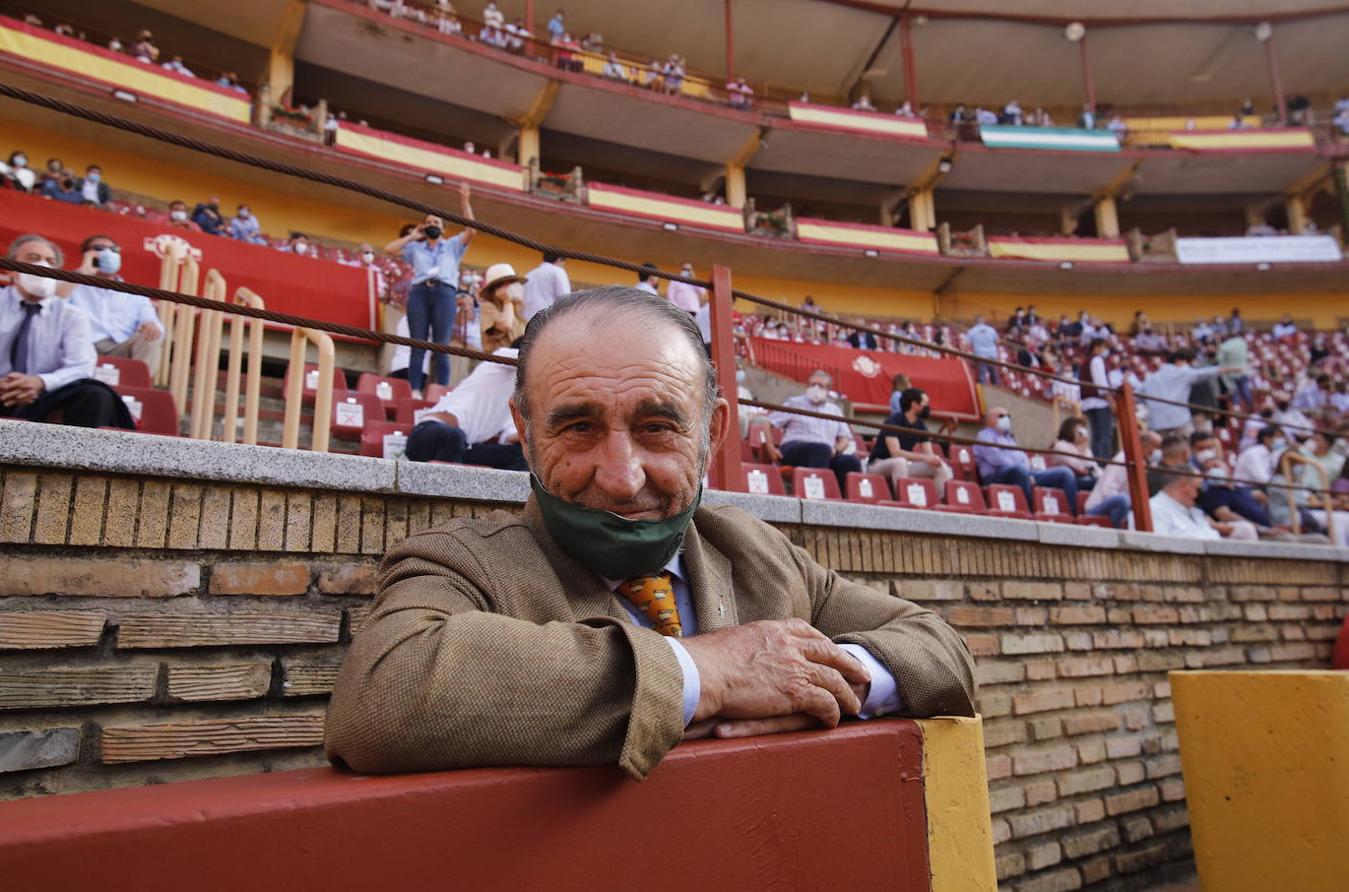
x: 815, y: 442
x: 121, y: 324
x: 46, y: 352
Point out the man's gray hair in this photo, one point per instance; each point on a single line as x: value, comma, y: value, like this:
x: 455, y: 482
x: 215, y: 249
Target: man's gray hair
x: 618, y: 300
x: 17, y: 245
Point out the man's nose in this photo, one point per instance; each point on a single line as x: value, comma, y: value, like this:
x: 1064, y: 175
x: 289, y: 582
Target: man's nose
x: 619, y: 474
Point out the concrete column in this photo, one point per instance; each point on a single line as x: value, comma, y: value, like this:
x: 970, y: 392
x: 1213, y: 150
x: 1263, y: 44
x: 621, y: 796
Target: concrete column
x: 280, y: 73
x: 1107, y: 218
x: 922, y: 211
x: 1296, y: 207
x: 735, y: 185
x: 529, y: 145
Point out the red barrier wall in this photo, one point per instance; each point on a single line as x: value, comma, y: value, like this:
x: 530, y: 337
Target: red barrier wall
x: 864, y: 376
x: 319, y: 289
x: 836, y: 810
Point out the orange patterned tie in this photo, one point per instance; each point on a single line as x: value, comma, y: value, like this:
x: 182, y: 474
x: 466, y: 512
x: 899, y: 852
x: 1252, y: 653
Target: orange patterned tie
x: 655, y: 597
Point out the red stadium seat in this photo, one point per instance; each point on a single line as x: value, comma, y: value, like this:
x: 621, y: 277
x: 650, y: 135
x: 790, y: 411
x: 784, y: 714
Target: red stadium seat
x: 389, y: 390
x: 1051, y: 504
x: 152, y: 410
x: 962, y: 462
x: 352, y: 411
x: 407, y: 409
x: 762, y: 479
x: 384, y: 439
x: 311, y: 372
x: 965, y: 497
x: 869, y: 488
x: 116, y: 371
x: 814, y: 483
x: 1005, y: 500
x: 920, y: 492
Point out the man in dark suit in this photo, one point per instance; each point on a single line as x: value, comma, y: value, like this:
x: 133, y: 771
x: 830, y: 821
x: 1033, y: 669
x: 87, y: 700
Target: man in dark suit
x: 616, y: 617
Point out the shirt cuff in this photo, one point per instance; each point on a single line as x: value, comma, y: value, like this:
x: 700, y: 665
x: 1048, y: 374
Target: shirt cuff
x: 883, y: 698
x: 693, y: 685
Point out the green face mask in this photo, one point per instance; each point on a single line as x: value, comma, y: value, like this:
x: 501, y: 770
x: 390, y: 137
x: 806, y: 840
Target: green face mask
x: 608, y: 545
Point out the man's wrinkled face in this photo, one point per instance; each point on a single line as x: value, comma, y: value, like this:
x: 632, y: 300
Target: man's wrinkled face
x: 616, y: 415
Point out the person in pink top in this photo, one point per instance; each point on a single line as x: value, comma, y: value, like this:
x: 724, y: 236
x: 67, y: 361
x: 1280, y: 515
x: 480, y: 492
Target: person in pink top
x: 1075, y: 438
x: 687, y: 297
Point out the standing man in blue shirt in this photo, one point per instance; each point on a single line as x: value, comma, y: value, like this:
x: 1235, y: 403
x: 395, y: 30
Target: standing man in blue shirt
x: 432, y: 300
x: 983, y: 340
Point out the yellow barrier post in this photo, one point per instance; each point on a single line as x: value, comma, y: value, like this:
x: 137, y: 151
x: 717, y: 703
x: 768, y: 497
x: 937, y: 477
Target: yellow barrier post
x: 323, y: 392
x: 186, y: 318
x: 171, y: 252
x: 253, y: 378
x: 207, y: 360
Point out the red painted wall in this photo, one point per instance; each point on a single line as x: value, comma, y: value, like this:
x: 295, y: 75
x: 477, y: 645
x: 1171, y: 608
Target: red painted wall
x: 318, y: 289
x: 836, y: 810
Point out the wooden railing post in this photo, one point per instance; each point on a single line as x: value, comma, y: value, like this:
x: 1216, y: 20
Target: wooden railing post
x: 323, y: 391
x: 207, y: 360
x: 726, y: 471
x: 1126, y: 414
x: 185, y: 319
x: 170, y: 263
x: 253, y: 381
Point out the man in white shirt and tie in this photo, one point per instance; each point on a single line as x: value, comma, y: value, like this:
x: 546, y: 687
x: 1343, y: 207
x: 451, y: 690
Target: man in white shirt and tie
x: 46, y: 351
x: 121, y: 324
x: 544, y: 284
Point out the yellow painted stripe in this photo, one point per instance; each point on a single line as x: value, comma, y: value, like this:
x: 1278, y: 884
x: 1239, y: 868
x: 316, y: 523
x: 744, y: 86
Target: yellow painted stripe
x: 1203, y: 122
x: 133, y: 76
x: 889, y: 125
x: 445, y: 163
x: 1090, y: 252
x: 651, y: 204
x: 1238, y: 139
x: 883, y: 239
x: 955, y: 791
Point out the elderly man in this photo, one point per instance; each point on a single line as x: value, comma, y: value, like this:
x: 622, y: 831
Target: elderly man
x: 1000, y: 460
x: 616, y: 617
x: 121, y: 324
x: 1174, y: 512
x: 46, y: 351
x: 815, y: 442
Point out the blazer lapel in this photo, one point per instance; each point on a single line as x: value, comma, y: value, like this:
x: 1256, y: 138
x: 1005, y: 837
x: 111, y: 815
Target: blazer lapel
x: 586, y: 593
x: 709, y: 583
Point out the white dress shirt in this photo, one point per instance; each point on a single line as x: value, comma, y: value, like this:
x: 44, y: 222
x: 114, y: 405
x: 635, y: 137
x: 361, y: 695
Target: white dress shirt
x: 1255, y: 465
x: 648, y: 287
x: 114, y: 315
x: 883, y: 698
x: 686, y: 297
x: 1173, y: 382
x: 1171, y: 518
x: 544, y: 284
x: 804, y: 429
x: 60, y: 347
x: 481, y: 402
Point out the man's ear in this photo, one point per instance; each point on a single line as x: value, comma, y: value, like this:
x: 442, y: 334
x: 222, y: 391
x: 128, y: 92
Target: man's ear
x: 521, y: 428
x: 719, y: 425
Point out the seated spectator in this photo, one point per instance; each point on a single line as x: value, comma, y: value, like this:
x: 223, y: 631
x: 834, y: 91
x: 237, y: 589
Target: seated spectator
x: 63, y: 187
x: 207, y: 216
x: 1220, y: 497
x: 1001, y: 461
x: 18, y: 172
x: 899, y: 455
x: 92, y: 188
x: 1257, y: 463
x: 1174, y: 512
x: 245, y: 227
x: 298, y: 244
x: 1314, y: 395
x: 144, y: 48
x: 365, y: 259
x: 1285, y: 329
x: 115, y: 45
x: 861, y: 340
x: 1323, y: 459
x: 1012, y: 114
x: 1110, y: 496
x: 688, y: 298
x: 614, y: 69
x: 673, y: 72
x: 177, y: 67
x: 1087, y: 120
x: 1291, y: 419
x: 985, y: 117
x: 230, y: 81
x: 1253, y: 425
x: 120, y: 324
x: 898, y: 384
x: 178, y: 217
x: 448, y: 23
x: 653, y: 77
x: 501, y: 307
x: 815, y: 442
x: 1075, y: 438
x: 904, y: 109
x: 472, y: 424
x: 863, y: 103
x: 46, y: 352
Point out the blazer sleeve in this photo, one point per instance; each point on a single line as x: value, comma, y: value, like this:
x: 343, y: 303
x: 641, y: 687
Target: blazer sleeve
x: 928, y: 659
x: 434, y: 679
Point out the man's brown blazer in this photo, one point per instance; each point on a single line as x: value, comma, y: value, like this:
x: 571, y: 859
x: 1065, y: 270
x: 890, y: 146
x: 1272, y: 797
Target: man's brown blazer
x: 489, y: 645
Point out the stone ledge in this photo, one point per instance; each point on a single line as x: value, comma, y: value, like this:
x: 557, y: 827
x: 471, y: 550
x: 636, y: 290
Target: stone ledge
x: 775, y: 509
x: 834, y: 513
x: 461, y: 482
x: 1285, y: 550
x: 1081, y: 536
x: 1154, y: 542
x: 122, y: 452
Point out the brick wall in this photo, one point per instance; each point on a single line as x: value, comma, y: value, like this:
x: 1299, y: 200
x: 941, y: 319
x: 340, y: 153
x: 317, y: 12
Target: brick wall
x: 157, y: 629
